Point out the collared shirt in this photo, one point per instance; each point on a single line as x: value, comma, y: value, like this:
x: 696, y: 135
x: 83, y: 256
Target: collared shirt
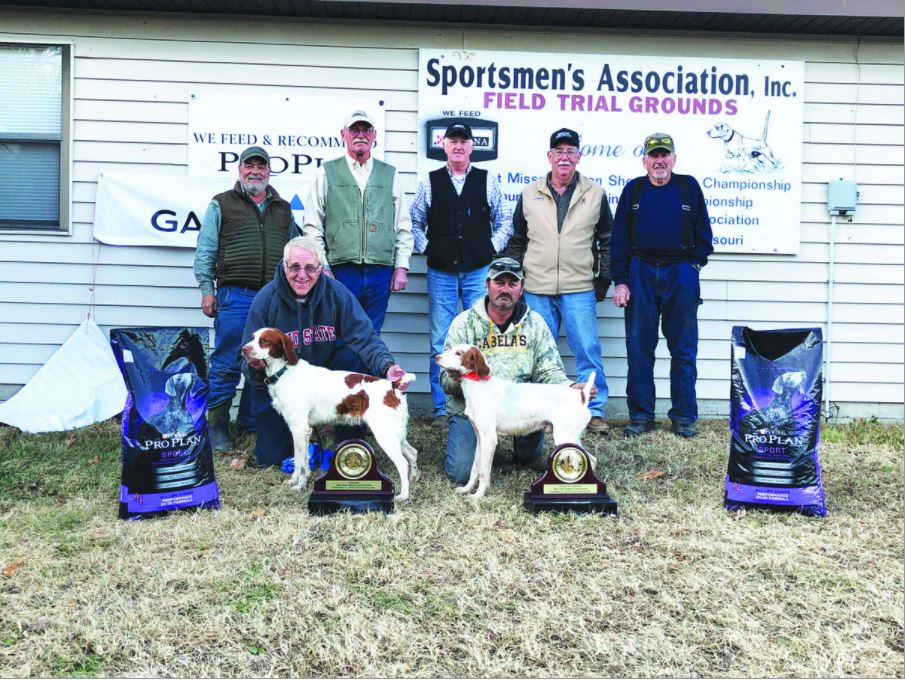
x: 562, y: 200
x: 209, y: 242
x: 316, y: 209
x: 500, y: 215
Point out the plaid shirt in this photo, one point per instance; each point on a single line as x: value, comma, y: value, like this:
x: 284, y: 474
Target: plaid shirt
x: 500, y: 214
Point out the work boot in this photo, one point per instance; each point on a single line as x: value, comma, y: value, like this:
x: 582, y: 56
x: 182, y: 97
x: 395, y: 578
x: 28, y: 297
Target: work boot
x: 218, y: 423
x: 684, y: 430
x: 638, y: 427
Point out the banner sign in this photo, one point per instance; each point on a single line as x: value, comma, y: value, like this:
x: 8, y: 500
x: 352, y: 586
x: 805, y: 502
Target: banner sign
x: 737, y: 124
x: 164, y: 210
x: 299, y: 133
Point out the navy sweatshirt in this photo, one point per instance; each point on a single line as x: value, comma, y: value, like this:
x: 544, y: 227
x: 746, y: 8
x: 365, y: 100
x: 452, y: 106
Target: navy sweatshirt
x: 659, y: 226
x: 315, y: 324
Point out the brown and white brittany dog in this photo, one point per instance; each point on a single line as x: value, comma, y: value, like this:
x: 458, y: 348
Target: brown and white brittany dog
x: 307, y: 395
x: 499, y: 406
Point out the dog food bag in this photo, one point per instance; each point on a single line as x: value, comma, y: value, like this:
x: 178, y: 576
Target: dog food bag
x: 167, y: 462
x: 774, y: 420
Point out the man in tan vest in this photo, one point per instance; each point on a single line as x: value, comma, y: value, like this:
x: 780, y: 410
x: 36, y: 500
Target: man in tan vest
x: 356, y: 213
x: 561, y: 234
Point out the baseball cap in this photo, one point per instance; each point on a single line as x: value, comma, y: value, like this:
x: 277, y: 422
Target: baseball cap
x: 254, y: 152
x: 358, y: 116
x: 659, y: 140
x: 460, y: 129
x: 505, y: 265
x: 564, y: 135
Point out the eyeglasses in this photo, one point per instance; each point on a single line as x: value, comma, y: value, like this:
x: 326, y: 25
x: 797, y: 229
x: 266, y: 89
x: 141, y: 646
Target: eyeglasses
x: 567, y: 153
x: 309, y: 269
x: 658, y: 141
x: 361, y: 129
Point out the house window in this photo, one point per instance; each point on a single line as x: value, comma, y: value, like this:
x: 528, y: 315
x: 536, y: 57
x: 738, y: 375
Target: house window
x: 34, y: 130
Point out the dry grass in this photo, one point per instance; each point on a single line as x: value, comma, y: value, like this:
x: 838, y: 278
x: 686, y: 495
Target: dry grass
x: 674, y: 586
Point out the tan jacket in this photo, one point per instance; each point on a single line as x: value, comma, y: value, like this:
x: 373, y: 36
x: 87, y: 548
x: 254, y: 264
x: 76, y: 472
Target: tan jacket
x: 560, y: 262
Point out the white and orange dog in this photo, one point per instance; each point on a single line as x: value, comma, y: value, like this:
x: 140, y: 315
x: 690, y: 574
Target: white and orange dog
x: 307, y: 395
x: 498, y: 406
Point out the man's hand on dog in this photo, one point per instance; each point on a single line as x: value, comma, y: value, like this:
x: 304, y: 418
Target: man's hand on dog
x: 580, y: 386
x: 396, y: 372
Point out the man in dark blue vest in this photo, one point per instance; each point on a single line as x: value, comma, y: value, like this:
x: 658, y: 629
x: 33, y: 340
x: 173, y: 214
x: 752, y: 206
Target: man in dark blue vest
x: 460, y: 221
x: 661, y: 240
x: 239, y: 246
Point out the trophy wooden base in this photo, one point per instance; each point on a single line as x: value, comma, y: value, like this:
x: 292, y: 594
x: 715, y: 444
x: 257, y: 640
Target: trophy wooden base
x: 352, y: 483
x: 569, y: 485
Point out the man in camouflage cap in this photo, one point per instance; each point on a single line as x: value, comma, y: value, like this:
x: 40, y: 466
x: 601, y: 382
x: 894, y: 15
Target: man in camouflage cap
x: 518, y: 346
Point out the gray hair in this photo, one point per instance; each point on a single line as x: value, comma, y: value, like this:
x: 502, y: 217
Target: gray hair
x: 307, y: 243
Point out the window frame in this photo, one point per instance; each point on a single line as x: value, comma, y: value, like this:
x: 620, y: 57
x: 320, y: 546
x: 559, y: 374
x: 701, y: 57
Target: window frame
x: 64, y: 226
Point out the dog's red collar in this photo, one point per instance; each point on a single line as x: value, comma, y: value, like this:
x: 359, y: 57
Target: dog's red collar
x: 473, y: 375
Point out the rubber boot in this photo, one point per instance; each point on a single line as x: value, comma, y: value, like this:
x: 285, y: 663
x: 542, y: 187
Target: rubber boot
x: 218, y: 422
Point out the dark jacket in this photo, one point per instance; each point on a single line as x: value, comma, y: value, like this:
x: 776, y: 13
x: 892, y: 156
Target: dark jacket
x: 329, y: 314
x: 250, y: 243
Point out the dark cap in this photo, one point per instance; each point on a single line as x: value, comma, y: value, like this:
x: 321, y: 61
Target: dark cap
x: 659, y: 140
x: 505, y: 265
x: 254, y: 152
x: 564, y: 135
x: 458, y: 130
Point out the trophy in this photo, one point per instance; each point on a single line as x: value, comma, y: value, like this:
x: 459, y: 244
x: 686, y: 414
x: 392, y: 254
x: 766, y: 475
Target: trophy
x: 569, y: 485
x: 352, y: 482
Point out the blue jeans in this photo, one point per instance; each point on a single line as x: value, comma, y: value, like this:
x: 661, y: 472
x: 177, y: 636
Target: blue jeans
x: 673, y: 292
x: 273, y: 440
x: 370, y: 284
x: 577, y: 312
x: 233, y: 303
x: 443, y: 292
x: 461, y: 442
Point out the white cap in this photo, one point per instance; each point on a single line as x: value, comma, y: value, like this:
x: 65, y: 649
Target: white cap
x: 358, y: 116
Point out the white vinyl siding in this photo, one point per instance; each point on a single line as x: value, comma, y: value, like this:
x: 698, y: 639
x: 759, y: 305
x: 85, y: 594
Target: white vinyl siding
x: 132, y: 81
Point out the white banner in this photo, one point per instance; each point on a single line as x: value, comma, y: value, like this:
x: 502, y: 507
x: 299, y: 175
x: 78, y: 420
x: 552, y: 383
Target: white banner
x: 166, y: 210
x: 737, y: 123
x: 299, y: 132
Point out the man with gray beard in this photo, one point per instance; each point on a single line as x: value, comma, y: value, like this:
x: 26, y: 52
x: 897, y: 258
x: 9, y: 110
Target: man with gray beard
x: 239, y: 247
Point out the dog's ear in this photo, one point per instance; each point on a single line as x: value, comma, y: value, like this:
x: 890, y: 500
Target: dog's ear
x: 778, y: 385
x: 474, y: 360
x: 288, y: 350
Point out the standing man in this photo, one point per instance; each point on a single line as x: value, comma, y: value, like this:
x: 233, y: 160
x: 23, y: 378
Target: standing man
x: 661, y: 239
x: 357, y: 215
x: 517, y: 345
x: 460, y: 221
x: 561, y: 233
x: 240, y: 243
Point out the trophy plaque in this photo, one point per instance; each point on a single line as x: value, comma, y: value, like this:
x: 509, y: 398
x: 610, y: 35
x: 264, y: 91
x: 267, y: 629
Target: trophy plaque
x: 353, y: 482
x: 569, y: 485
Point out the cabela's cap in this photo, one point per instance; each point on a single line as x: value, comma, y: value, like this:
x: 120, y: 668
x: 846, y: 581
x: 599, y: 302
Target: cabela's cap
x: 458, y: 129
x: 358, y: 116
x: 659, y: 140
x: 564, y: 135
x: 254, y: 152
x: 505, y: 265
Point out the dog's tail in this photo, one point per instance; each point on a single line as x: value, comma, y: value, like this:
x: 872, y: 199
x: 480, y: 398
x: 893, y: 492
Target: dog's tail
x: 404, y: 381
x: 586, y: 392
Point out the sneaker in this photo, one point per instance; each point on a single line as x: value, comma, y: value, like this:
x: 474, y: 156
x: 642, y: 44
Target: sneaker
x: 686, y: 430
x: 598, y: 424
x: 638, y: 427
x: 440, y: 422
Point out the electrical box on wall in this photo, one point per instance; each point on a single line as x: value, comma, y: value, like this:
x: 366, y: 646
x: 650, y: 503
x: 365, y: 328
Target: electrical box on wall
x: 841, y: 197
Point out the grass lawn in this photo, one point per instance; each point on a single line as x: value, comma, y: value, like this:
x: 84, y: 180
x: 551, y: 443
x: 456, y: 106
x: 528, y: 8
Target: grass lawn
x: 673, y: 586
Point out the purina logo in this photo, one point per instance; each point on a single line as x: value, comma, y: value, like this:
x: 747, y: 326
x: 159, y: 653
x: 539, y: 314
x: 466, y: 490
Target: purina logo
x: 485, y: 133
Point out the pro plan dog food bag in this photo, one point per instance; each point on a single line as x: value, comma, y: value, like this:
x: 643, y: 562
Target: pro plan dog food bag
x: 167, y: 463
x: 774, y: 420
